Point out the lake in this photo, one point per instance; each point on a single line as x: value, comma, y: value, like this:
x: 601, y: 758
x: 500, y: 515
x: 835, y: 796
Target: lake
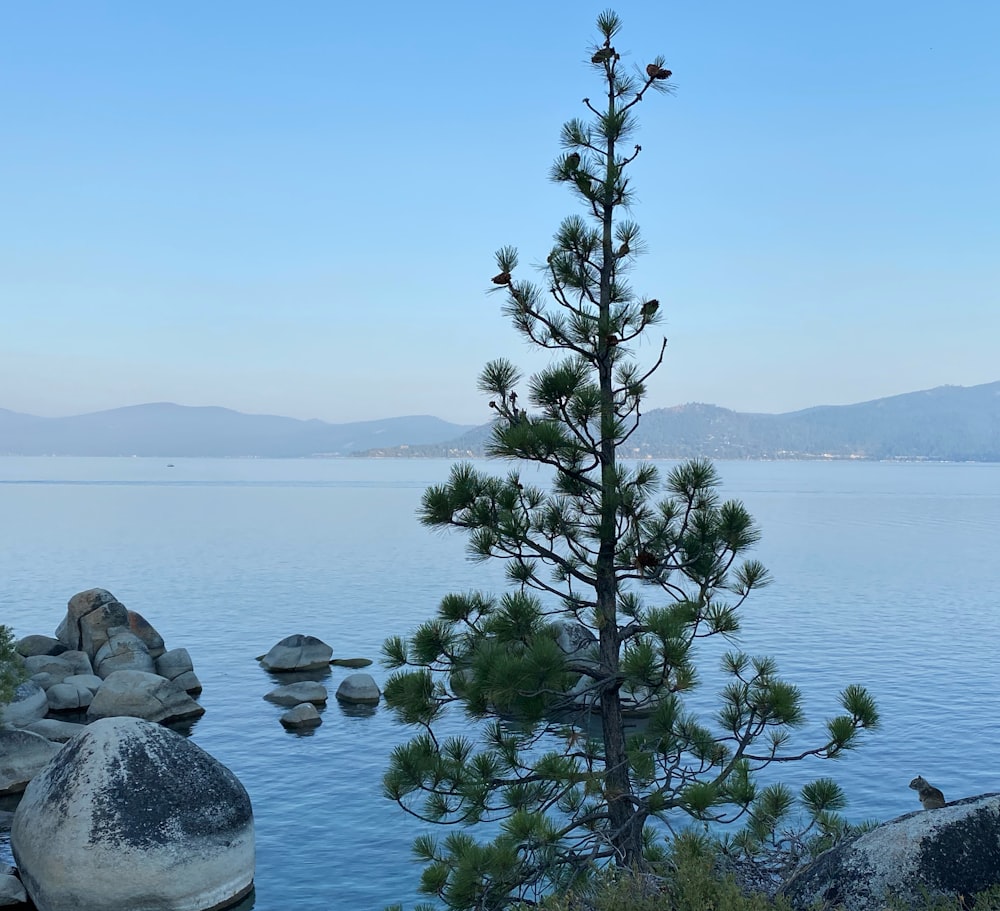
x: 886, y: 574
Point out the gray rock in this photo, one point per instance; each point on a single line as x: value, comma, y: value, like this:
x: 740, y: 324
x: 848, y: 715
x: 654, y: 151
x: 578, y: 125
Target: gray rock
x: 53, y: 666
x: 142, y: 695
x: 70, y: 632
x: 189, y: 682
x: 68, y: 697
x: 29, y: 704
x: 142, y: 628
x: 96, y: 627
x: 296, y: 693
x: 124, y: 651
x: 22, y: 756
x: 38, y: 645
x: 174, y: 663
x: 91, y: 681
x: 44, y: 680
x: 298, y: 653
x: 951, y: 851
x: 55, y: 730
x: 79, y: 661
x: 360, y: 689
x: 129, y: 816
x: 302, y: 716
x: 11, y: 891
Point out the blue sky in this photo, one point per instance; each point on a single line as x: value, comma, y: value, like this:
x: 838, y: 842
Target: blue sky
x: 293, y: 208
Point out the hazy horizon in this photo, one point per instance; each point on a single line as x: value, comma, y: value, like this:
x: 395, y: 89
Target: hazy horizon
x: 293, y: 210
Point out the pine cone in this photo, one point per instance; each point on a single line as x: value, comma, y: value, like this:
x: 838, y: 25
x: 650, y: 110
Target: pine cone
x: 604, y: 54
x: 650, y: 307
x: 502, y: 279
x: 573, y: 161
x: 624, y: 249
x: 657, y: 72
x: 645, y: 559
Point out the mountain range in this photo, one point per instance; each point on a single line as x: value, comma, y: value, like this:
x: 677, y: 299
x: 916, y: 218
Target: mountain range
x: 949, y: 423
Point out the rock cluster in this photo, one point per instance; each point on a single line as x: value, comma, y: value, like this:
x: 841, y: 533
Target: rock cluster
x: 113, y: 807
x: 306, y: 654
x: 105, y: 660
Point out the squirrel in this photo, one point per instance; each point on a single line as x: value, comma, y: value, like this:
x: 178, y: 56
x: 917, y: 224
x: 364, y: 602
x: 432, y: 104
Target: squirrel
x: 930, y: 797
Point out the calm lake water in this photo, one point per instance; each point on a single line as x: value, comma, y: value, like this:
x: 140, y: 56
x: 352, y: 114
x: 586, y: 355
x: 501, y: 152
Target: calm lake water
x: 885, y: 574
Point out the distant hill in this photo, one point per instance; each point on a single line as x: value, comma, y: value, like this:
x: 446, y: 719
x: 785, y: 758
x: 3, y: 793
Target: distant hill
x: 949, y: 423
x: 167, y: 430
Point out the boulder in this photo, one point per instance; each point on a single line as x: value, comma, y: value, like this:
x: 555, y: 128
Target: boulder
x: 22, y: 756
x: 141, y: 627
x: 360, y: 689
x: 298, y: 653
x: 302, y: 716
x: 79, y: 661
x: 91, y: 681
x: 70, y: 632
x: 142, y: 695
x: 951, y: 851
x: 11, y: 891
x: 55, y: 730
x: 297, y: 693
x: 29, y: 704
x: 124, y: 651
x: 174, y: 663
x: 30, y: 646
x: 69, y: 697
x: 189, y: 682
x: 97, y: 626
x: 129, y: 816
x: 44, y: 680
x: 54, y: 667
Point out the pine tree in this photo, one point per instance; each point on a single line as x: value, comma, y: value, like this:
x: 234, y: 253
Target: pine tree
x: 613, y: 593
x: 11, y: 665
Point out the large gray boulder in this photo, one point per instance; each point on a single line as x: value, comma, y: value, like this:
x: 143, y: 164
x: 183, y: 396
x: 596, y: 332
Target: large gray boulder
x: 298, y: 653
x: 142, y: 695
x: 360, y: 689
x: 22, y: 756
x: 132, y: 817
x: 124, y: 651
x: 951, y: 851
x: 70, y: 630
x: 29, y: 704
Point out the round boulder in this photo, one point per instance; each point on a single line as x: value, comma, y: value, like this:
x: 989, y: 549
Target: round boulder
x: 302, y: 716
x: 360, y: 689
x: 125, y: 807
x: 298, y: 653
x: 124, y: 651
x: 38, y: 645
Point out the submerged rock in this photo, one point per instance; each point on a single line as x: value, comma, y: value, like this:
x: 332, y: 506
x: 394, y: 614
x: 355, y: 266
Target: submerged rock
x: 297, y: 693
x: 132, y: 816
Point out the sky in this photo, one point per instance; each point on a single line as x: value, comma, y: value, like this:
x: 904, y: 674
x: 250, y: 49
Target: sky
x: 293, y: 208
